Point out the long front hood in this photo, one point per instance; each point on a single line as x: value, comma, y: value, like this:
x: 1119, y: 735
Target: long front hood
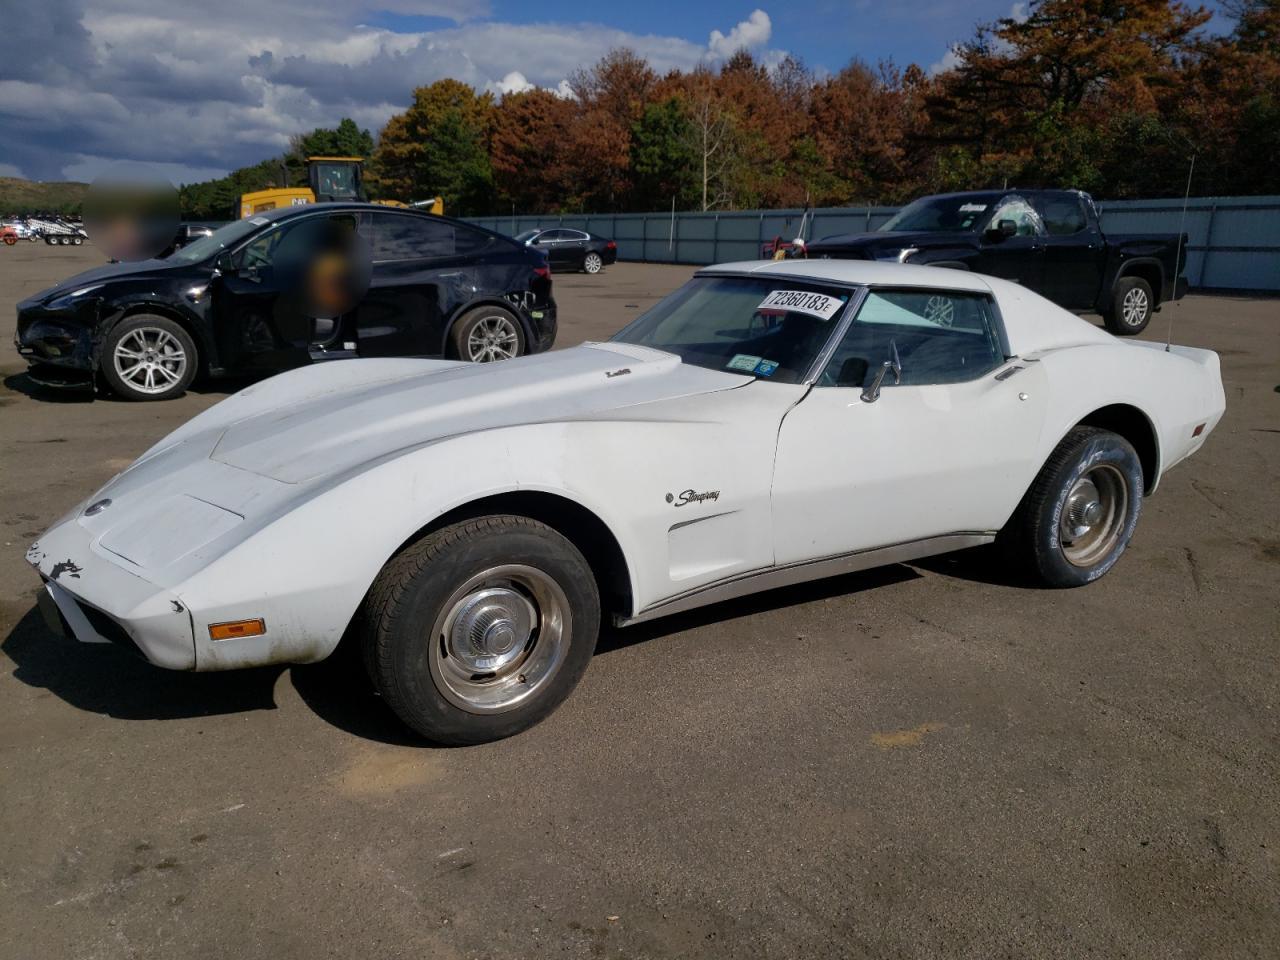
x: 336, y: 432
x: 108, y: 271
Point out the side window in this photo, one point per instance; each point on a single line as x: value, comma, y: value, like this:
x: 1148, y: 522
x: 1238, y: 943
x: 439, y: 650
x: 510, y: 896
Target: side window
x: 1021, y: 213
x: 469, y: 241
x: 940, y: 336
x: 293, y: 242
x: 1063, y: 216
x: 410, y: 237
x: 257, y: 253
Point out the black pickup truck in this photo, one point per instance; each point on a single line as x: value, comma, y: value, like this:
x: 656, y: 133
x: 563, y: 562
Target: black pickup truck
x: 1047, y: 240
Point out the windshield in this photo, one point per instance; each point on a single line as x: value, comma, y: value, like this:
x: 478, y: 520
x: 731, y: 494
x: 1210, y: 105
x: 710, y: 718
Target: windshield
x: 220, y: 239
x: 770, y: 328
x: 956, y: 214
x: 525, y: 237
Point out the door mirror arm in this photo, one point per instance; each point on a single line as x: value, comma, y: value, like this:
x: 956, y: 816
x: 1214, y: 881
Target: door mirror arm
x: 871, y: 392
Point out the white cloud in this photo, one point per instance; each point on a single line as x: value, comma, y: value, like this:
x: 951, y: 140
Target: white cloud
x: 9, y: 170
x: 166, y: 83
x: 950, y: 60
x: 513, y: 82
x: 752, y: 32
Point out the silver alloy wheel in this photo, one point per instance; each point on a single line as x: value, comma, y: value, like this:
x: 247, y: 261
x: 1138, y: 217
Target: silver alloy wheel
x: 500, y: 638
x: 592, y: 263
x: 1134, y: 307
x: 1093, y: 516
x: 494, y: 337
x: 150, y: 359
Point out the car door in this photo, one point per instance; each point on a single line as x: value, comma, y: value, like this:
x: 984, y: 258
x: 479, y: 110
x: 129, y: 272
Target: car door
x: 1019, y: 257
x: 258, y: 302
x: 1074, y: 254
x: 558, y: 247
x: 946, y: 451
x: 574, y: 246
x: 418, y: 274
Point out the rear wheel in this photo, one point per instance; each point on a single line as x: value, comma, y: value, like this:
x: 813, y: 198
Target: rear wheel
x: 592, y: 262
x: 486, y: 334
x: 148, y: 357
x: 481, y: 629
x: 1132, y: 304
x: 1081, y: 511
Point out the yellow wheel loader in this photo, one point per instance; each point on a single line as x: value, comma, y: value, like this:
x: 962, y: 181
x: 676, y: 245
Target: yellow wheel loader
x: 330, y: 178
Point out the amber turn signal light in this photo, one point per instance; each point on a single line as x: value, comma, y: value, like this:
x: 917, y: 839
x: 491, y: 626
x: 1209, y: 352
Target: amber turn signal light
x: 235, y: 629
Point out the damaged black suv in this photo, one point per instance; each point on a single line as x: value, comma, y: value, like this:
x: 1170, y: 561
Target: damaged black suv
x: 244, y: 300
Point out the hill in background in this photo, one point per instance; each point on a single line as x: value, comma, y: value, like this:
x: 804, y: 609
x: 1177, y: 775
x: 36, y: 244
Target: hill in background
x: 31, y: 196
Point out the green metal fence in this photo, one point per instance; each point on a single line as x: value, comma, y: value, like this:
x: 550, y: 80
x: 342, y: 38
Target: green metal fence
x: 1234, y: 241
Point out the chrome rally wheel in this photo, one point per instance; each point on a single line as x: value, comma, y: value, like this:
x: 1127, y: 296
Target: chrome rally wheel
x: 500, y: 638
x: 480, y: 629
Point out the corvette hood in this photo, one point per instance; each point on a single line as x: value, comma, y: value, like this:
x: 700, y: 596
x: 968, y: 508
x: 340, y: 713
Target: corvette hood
x: 330, y: 433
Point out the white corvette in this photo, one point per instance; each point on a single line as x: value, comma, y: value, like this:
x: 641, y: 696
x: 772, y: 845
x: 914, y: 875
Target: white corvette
x: 767, y: 423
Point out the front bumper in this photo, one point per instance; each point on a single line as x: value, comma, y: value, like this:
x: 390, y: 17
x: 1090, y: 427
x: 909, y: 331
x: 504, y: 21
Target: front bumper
x: 93, y: 600
x: 59, y: 338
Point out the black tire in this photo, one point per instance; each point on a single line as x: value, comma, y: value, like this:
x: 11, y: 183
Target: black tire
x: 592, y: 263
x: 470, y: 338
x: 410, y: 621
x: 1044, y: 539
x: 1132, y: 304
x: 169, y: 376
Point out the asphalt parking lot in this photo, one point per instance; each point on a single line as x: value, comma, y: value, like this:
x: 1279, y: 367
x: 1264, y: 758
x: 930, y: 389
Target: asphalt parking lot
x: 920, y: 761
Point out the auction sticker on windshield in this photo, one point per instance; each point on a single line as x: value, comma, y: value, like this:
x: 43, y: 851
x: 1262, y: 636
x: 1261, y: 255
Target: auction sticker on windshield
x: 800, y: 301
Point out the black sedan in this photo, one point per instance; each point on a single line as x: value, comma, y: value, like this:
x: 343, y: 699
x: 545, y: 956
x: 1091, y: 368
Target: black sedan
x: 572, y: 249
x: 289, y: 287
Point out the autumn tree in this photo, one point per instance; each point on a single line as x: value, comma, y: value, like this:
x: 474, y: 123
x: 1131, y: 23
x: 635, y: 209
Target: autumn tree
x: 1027, y: 94
x: 532, y: 168
x: 439, y: 146
x: 611, y: 97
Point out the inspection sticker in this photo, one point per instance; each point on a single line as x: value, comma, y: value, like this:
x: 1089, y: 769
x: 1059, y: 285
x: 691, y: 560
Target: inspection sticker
x: 972, y: 207
x: 800, y: 301
x: 765, y: 368
x: 742, y: 361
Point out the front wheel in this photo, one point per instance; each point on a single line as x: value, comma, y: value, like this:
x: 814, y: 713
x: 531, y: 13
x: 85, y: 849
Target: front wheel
x: 481, y: 629
x: 148, y: 357
x: 1132, y: 304
x: 486, y: 334
x: 592, y: 263
x: 1081, y: 511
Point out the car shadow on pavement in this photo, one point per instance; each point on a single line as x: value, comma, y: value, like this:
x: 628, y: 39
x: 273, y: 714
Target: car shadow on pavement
x: 107, y: 680
x: 103, y: 678
x: 987, y: 565
x: 23, y: 384
x: 88, y: 393
x: 616, y: 638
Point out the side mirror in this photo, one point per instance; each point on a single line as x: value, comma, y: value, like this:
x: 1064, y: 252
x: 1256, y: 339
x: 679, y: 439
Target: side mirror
x: 224, y: 264
x: 871, y: 393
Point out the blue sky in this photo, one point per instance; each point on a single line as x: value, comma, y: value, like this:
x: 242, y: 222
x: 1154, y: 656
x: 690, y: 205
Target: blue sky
x: 197, y: 90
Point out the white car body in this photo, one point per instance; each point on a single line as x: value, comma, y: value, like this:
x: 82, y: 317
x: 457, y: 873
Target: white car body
x: 284, y: 501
